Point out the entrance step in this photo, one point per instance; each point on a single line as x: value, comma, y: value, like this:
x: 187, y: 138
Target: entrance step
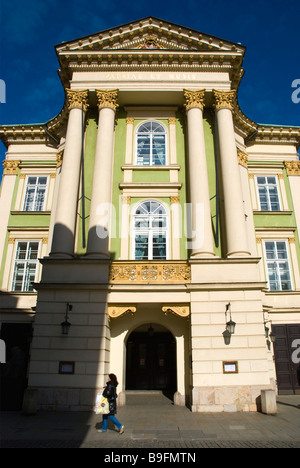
x: 147, y: 398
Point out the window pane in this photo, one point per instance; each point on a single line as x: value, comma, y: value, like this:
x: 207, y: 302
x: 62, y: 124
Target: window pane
x: 141, y: 247
x: 274, y: 199
x: 273, y: 277
x: 271, y: 180
x: 21, y: 250
x: 263, y: 198
x: 159, y: 247
x: 141, y: 223
x: 18, y: 277
x: 33, y: 250
x: 270, y: 250
x: 281, y: 250
x: 31, y: 181
x: 159, y: 222
x: 143, y: 151
x: 29, y: 277
x: 159, y: 150
x: 261, y: 180
x: 29, y: 199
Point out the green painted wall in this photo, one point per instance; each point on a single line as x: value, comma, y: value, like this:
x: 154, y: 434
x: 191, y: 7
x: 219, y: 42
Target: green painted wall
x: 89, y: 161
x: 182, y: 178
x: 118, y: 177
x: 209, y: 135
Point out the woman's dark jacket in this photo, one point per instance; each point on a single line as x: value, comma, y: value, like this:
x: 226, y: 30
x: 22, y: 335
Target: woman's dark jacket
x: 110, y: 393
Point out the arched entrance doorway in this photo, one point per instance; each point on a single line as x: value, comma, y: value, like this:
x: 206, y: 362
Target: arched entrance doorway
x: 151, y: 359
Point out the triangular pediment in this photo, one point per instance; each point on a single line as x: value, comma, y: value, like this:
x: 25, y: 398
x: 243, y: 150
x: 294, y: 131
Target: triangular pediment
x: 149, y: 33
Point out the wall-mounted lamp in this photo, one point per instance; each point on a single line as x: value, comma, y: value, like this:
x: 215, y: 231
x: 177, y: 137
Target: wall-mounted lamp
x: 230, y: 326
x: 65, y: 326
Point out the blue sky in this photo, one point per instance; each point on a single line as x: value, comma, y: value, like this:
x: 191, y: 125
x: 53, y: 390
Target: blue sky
x: 29, y: 30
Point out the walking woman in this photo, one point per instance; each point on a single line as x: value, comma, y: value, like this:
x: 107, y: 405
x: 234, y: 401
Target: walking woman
x: 110, y: 392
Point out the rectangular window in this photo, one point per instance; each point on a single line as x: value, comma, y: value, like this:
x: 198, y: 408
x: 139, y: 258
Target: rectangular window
x: 279, y: 276
x: 25, y: 266
x: 268, y: 193
x: 35, y: 194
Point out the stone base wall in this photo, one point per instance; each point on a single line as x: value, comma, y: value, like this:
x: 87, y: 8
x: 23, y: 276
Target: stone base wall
x: 227, y: 399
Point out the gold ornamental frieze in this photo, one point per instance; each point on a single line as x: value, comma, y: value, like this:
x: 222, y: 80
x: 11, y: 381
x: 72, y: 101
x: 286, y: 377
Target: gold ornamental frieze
x: 150, y: 272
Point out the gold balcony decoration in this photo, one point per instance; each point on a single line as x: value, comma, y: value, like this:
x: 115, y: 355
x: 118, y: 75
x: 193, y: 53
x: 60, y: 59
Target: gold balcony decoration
x: 115, y: 311
x: 150, y: 272
x: 180, y: 310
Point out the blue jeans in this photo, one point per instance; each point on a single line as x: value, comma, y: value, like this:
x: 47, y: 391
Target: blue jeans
x: 113, y: 419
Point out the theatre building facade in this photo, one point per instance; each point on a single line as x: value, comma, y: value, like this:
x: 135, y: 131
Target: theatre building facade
x: 150, y: 230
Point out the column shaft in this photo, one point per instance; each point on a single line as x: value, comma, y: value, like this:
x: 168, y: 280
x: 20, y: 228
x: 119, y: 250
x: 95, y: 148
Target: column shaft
x: 200, y: 223
x: 101, y: 208
x: 66, y: 209
x: 235, y: 222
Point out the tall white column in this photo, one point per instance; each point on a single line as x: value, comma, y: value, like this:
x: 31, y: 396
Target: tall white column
x: 66, y: 209
x: 235, y: 222
x: 101, y: 207
x: 200, y: 223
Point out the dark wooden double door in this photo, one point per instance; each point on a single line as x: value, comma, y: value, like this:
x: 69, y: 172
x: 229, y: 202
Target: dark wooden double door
x: 151, y: 362
x: 287, y: 358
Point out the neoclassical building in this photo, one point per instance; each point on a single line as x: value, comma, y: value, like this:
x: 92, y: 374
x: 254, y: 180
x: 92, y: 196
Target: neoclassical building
x: 151, y: 229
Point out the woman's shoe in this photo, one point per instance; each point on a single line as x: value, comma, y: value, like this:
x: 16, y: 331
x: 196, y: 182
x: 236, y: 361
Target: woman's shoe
x: 122, y: 430
x: 100, y: 430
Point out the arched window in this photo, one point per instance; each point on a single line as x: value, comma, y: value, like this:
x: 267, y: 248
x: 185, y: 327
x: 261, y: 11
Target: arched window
x: 150, y: 231
x: 151, y: 144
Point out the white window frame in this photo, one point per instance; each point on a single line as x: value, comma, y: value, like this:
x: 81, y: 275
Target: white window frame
x: 150, y: 231
x: 277, y: 261
x: 34, y: 204
x: 25, y: 280
x: 165, y: 133
x: 267, y: 185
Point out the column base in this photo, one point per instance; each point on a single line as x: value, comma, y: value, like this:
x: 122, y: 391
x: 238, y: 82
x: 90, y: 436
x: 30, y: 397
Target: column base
x: 99, y: 256
x: 203, y: 255
x: 60, y: 255
x: 238, y: 254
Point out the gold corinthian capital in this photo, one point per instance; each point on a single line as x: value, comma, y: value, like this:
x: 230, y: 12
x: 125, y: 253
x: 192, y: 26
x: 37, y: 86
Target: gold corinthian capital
x: 77, y: 99
x: 194, y: 99
x: 108, y: 99
x: 224, y: 99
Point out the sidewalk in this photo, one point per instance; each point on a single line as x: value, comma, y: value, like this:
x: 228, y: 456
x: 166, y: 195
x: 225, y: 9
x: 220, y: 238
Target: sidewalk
x: 151, y: 421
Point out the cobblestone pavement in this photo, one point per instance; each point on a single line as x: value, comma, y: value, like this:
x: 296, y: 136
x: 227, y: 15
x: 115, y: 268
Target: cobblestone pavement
x: 152, y: 422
